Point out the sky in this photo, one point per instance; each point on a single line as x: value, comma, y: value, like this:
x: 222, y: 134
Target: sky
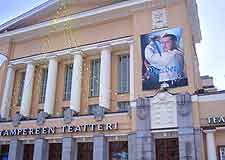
x: 211, y: 50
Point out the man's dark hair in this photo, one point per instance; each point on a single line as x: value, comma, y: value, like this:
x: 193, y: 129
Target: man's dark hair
x: 172, y: 36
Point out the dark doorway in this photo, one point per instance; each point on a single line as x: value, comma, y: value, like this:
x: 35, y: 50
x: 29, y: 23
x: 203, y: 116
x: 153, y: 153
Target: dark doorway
x: 85, y: 151
x: 55, y: 151
x: 118, y: 150
x: 167, y: 149
x: 28, y: 151
x: 4, y: 152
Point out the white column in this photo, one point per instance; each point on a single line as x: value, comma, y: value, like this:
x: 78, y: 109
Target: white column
x: 27, y: 90
x: 132, y: 71
x: 51, y: 86
x: 7, y: 94
x: 211, y: 145
x: 76, y: 83
x: 105, y: 78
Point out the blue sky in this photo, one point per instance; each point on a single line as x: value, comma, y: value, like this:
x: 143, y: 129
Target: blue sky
x: 211, y: 51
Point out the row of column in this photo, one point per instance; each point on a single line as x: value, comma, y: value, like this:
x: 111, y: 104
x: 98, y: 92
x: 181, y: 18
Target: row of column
x: 105, y: 84
x: 69, y: 149
x: 50, y: 88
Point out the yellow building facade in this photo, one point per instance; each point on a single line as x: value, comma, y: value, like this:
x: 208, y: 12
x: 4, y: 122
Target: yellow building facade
x: 78, y: 84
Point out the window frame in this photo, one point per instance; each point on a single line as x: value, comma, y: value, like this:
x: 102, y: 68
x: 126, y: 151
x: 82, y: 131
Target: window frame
x: 21, y: 87
x: 94, y: 80
x: 68, y: 74
x: 120, y: 76
x: 126, y: 103
x: 43, y: 85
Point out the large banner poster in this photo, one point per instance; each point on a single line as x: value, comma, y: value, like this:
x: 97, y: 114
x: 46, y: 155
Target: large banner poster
x: 163, y: 59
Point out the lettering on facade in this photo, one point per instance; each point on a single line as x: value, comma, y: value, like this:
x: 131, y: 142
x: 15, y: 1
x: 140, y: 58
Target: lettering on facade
x: 28, y: 131
x: 90, y: 128
x: 216, y: 120
x: 65, y: 129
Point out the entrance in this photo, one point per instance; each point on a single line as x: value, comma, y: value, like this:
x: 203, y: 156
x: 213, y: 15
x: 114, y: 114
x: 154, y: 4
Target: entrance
x: 85, y: 151
x: 118, y: 150
x: 167, y: 149
x: 28, y: 151
x: 4, y: 151
x: 55, y: 151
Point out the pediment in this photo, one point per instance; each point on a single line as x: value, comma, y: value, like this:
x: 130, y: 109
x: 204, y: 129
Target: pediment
x: 163, y: 98
x: 51, y: 10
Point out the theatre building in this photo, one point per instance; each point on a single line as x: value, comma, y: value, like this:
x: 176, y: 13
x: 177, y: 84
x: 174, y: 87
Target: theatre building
x: 107, y: 80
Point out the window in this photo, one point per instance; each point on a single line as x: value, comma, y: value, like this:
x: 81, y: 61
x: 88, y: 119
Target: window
x: 22, y: 79
x: 92, y: 108
x: 68, y: 81
x: 222, y: 152
x: 123, y: 106
x: 123, y: 74
x: 44, y: 77
x: 95, y: 75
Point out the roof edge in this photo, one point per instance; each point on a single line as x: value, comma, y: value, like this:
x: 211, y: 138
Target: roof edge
x: 27, y: 14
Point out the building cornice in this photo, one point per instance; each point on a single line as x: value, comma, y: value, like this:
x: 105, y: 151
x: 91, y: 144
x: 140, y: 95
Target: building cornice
x: 93, y: 16
x: 44, y: 6
x: 86, y: 49
x: 77, y: 20
x: 208, y: 98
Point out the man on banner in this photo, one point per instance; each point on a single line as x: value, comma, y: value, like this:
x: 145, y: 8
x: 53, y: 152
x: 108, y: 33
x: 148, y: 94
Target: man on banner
x: 166, y: 65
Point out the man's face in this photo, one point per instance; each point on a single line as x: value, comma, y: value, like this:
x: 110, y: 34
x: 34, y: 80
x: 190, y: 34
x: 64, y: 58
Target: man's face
x: 167, y: 44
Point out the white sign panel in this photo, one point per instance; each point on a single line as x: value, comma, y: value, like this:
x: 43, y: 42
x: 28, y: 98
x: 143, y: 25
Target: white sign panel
x: 163, y: 111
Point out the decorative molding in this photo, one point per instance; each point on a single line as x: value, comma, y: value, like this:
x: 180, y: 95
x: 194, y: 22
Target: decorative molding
x: 17, y: 119
x: 159, y: 18
x: 41, y: 117
x: 68, y: 115
x: 99, y: 113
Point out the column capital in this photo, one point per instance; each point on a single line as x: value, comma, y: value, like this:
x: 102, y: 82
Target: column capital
x: 29, y: 62
x: 105, y: 46
x: 52, y: 57
x: 131, y: 41
x: 209, y: 131
x: 73, y: 53
x: 12, y: 66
